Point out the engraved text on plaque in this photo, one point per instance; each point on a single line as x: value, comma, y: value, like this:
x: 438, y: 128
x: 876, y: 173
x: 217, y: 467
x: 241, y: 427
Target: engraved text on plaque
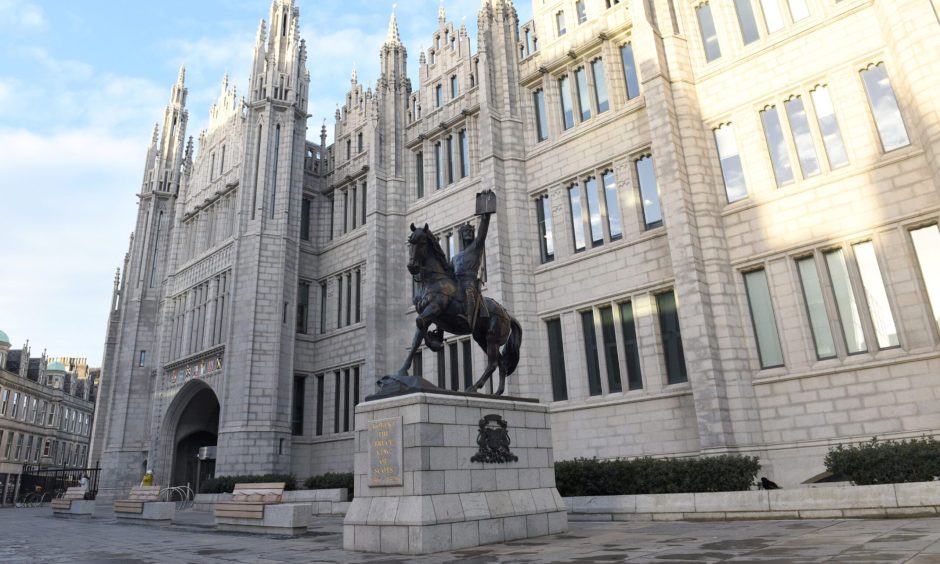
x: 385, y: 452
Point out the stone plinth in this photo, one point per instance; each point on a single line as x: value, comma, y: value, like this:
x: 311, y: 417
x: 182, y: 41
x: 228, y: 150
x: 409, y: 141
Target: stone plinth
x: 153, y: 511
x: 279, y: 519
x: 437, y: 496
x: 77, y: 507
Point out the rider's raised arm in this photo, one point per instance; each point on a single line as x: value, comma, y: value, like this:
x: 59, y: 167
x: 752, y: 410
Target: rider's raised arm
x: 481, y: 232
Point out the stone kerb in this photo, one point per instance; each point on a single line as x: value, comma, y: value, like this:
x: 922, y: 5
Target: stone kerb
x: 888, y: 500
x: 445, y: 500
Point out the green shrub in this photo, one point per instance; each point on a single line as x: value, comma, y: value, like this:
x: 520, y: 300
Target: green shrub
x: 590, y: 476
x: 329, y: 481
x: 225, y: 484
x: 886, y: 462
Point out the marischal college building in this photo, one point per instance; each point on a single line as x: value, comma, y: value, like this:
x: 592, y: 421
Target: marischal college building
x: 717, y: 225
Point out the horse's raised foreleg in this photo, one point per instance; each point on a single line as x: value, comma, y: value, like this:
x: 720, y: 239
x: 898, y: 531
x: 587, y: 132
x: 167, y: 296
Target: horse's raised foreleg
x: 423, y: 321
x: 492, y: 361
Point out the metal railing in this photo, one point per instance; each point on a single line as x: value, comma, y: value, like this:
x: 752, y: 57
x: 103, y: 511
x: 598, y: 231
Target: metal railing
x: 183, y: 496
x: 42, y: 485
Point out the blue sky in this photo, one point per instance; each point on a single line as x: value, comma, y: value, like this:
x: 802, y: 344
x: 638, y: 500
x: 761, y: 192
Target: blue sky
x: 81, y: 86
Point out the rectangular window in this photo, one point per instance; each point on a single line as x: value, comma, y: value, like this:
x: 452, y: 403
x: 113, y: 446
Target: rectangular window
x: 560, y: 23
x: 349, y: 299
x: 355, y: 389
x: 305, y: 219
x: 438, y: 165
x: 417, y: 364
x: 747, y: 21
x: 438, y: 95
x: 346, y: 400
x: 29, y: 448
x: 577, y: 219
x: 845, y: 301
x: 672, y: 338
x: 649, y: 192
x: 600, y: 85
x: 590, y: 353
x: 567, y: 112
x: 609, y: 335
x: 631, y: 346
x: 339, y: 301
x: 467, y: 363
x: 580, y: 82
x: 464, y: 153
x: 876, y: 295
x: 779, y: 156
x: 454, y: 366
x: 706, y: 26
x: 359, y: 144
x: 594, y: 211
x: 354, y: 200
x: 303, y: 306
x: 543, y: 212
x: 454, y: 90
x: 731, y: 170
x: 362, y: 208
x: 142, y: 359
x: 798, y: 10
x: 556, y: 354
x: 773, y: 16
x: 629, y: 71
x: 337, y: 406
x: 319, y: 428
x: 15, y: 405
x: 297, y: 407
x: 802, y: 138
x: 358, y: 296
x: 884, y: 108
x: 614, y: 223
x: 345, y: 211
x: 19, y: 447
x: 4, y: 400
x: 11, y: 438
x: 829, y: 127
x: 581, y: 10
x: 763, y: 320
x: 441, y: 375
x: 541, y: 123
x: 926, y: 242
x: 816, y: 308
x: 419, y: 173
x: 332, y: 216
x: 322, y: 307
x: 450, y: 160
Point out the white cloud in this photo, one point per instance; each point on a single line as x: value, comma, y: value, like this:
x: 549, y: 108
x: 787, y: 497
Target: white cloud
x: 22, y: 15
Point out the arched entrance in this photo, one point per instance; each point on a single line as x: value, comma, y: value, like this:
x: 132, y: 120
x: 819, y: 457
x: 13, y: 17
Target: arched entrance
x: 196, y: 426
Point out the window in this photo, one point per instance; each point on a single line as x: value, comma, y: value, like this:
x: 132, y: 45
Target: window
x: 348, y: 148
x: 450, y: 159
x: 584, y: 105
x: 339, y: 301
x: 609, y: 334
x: 349, y: 298
x: 926, y: 242
x: 297, y: 406
x: 773, y: 16
x: 731, y: 169
x: 305, y: 219
x: 706, y: 26
x: 614, y: 223
x: 359, y: 144
x: 441, y: 376
x: 747, y: 21
x: 816, y: 308
x: 142, y: 358
x: 16, y: 399
x: 358, y: 296
x: 322, y: 307
x: 672, y: 338
x: 362, y: 208
x: 4, y: 400
x: 346, y: 401
x: 649, y: 193
x: 319, y: 429
x: 876, y: 295
x: 419, y: 173
x: 34, y: 409
x: 845, y: 302
x: 438, y: 95
x: 337, y: 407
x: 354, y: 201
x: 631, y: 346
x: 417, y: 364
x: 10, y: 440
x: 577, y: 219
x: 29, y: 448
x: 453, y: 353
x: 581, y: 11
x: 779, y: 156
x: 884, y: 108
x: 439, y: 165
x: 19, y: 447
x: 829, y: 127
x: 567, y: 113
x: 629, y: 71
x: 594, y: 212
x: 762, y: 319
x: 600, y: 85
x: 303, y: 306
x: 332, y: 216
x: 345, y: 211
x: 454, y: 89
x: 560, y: 23
x: 802, y: 138
x: 798, y: 10
x: 464, y: 153
x: 590, y: 353
x: 543, y: 212
x: 541, y: 123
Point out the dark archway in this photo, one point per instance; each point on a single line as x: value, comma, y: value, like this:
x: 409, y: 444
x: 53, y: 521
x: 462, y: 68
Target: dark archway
x: 197, y: 427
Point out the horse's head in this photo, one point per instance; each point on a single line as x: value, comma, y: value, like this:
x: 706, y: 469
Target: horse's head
x: 418, y: 247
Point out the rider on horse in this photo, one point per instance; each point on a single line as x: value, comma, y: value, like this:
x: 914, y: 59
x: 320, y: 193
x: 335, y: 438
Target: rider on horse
x: 467, y: 265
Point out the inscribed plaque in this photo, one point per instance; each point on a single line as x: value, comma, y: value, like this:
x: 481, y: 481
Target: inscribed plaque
x: 385, y: 452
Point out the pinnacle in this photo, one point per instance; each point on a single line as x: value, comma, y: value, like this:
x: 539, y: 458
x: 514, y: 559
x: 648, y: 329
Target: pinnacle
x: 182, y: 76
x: 393, y: 37
x: 440, y: 12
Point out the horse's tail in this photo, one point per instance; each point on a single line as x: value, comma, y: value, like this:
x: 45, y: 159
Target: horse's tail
x: 510, y: 352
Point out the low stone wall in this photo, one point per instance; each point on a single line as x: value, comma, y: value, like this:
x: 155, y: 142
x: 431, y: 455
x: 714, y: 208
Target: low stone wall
x: 324, y: 502
x: 890, y: 500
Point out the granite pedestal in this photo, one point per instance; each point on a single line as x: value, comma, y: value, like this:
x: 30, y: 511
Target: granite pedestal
x: 422, y: 484
x: 76, y: 507
x: 161, y: 512
x: 278, y: 519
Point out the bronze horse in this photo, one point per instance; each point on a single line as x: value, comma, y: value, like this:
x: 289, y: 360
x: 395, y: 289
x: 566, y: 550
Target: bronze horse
x: 439, y: 301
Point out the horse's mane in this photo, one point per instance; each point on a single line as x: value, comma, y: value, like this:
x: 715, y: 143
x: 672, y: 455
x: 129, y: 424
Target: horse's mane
x: 438, y: 252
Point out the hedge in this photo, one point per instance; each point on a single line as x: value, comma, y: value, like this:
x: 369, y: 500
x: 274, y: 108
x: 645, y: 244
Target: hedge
x: 886, y: 462
x: 225, y: 484
x: 590, y: 476
x: 330, y: 480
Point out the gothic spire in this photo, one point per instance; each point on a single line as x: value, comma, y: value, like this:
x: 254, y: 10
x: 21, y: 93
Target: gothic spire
x: 393, y: 38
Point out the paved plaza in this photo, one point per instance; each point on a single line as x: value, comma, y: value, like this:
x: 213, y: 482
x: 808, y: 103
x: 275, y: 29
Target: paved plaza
x: 34, y: 535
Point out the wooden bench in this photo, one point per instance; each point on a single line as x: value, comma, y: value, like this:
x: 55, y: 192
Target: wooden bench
x: 258, y: 508
x: 73, y: 502
x: 144, y: 503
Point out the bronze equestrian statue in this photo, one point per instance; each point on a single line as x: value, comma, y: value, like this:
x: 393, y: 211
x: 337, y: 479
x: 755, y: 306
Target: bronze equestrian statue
x: 449, y: 297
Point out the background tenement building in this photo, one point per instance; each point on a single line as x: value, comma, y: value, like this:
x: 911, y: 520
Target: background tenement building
x: 718, y: 226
